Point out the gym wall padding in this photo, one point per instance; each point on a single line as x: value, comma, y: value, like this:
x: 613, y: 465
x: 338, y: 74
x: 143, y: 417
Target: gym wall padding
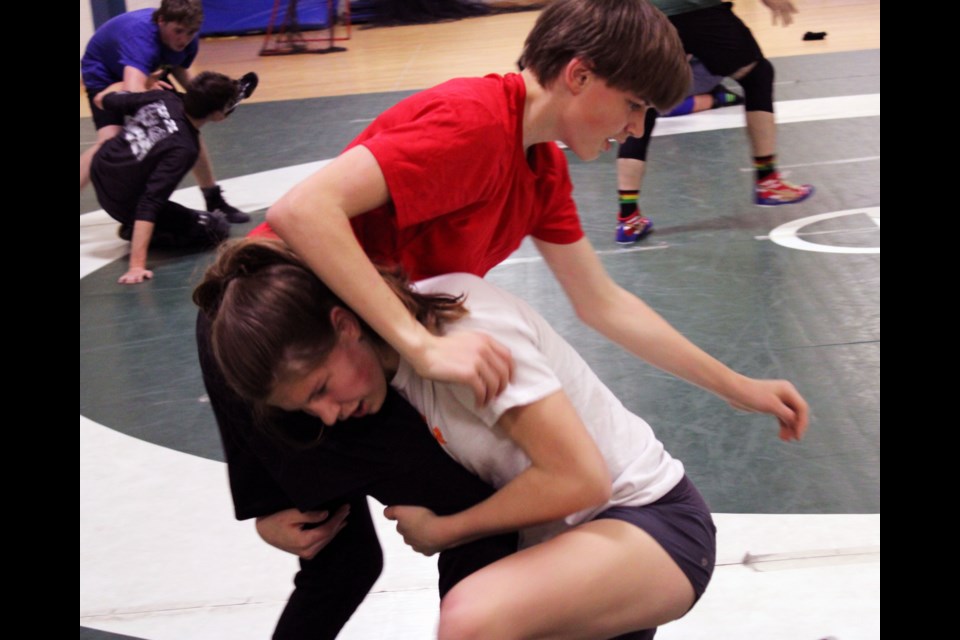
x: 235, y: 17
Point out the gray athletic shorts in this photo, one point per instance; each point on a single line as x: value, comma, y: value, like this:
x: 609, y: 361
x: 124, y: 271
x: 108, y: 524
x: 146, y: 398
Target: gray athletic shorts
x: 680, y: 522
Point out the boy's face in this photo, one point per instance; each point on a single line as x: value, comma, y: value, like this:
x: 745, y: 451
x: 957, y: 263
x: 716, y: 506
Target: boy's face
x: 600, y: 114
x: 176, y: 35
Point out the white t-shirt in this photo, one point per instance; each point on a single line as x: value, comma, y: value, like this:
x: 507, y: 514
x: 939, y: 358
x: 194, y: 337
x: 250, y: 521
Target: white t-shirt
x: 641, y: 471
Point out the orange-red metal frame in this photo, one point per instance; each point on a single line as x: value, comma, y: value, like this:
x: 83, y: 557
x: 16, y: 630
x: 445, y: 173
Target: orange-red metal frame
x: 283, y: 43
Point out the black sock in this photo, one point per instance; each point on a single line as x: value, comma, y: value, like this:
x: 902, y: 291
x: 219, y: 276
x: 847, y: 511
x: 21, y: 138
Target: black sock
x: 766, y: 166
x: 628, y: 202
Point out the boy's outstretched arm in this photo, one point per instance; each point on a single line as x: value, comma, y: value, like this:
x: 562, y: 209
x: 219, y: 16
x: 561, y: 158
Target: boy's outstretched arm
x: 625, y: 319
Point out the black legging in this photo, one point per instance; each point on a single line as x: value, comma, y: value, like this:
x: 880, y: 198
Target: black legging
x: 636, y: 148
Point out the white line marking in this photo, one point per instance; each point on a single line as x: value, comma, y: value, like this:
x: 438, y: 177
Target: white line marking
x: 817, y: 164
x: 810, y: 558
x: 787, y: 234
x: 830, y: 232
x: 603, y: 252
x: 613, y: 252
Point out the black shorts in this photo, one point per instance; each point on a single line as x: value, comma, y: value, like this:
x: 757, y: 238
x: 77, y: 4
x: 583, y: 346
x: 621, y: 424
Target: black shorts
x: 680, y: 522
x: 716, y: 36
x: 102, y: 118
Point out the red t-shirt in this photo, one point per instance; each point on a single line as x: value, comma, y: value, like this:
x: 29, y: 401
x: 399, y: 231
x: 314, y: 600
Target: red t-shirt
x: 463, y: 192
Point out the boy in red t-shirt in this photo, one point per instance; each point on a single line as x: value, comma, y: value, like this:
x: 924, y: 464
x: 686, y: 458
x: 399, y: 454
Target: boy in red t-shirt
x: 452, y: 179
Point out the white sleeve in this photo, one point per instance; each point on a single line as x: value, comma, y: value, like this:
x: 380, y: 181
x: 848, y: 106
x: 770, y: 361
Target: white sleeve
x: 505, y: 319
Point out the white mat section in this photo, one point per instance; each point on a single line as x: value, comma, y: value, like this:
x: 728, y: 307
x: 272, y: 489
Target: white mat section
x: 786, y: 112
x: 161, y: 557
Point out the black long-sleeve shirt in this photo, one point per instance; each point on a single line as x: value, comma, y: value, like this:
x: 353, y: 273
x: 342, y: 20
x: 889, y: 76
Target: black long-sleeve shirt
x: 135, y: 172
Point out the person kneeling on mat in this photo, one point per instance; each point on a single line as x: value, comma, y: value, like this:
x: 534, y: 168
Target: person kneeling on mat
x: 135, y: 172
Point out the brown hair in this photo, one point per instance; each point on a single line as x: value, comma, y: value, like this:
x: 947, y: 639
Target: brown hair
x: 628, y: 43
x: 189, y: 13
x: 270, y: 314
x: 209, y: 92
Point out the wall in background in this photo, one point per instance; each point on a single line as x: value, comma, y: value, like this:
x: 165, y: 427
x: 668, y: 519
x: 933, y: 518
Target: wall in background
x: 86, y: 17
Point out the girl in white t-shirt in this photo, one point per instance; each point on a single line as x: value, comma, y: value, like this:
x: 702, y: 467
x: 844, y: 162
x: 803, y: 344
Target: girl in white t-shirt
x: 614, y: 538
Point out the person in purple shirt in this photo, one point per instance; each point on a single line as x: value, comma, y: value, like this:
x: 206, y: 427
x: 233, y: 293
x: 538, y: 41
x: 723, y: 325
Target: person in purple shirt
x: 139, y: 49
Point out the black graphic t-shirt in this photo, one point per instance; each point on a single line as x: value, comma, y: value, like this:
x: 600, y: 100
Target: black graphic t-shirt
x: 135, y: 172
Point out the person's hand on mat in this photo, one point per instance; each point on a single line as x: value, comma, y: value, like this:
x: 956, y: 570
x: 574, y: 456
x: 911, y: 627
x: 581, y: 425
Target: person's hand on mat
x: 135, y: 275
x: 778, y: 398
x: 470, y: 358
x: 303, y: 534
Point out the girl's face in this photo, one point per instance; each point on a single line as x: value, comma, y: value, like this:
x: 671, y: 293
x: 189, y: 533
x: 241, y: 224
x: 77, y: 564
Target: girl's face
x: 599, y: 114
x: 350, y: 383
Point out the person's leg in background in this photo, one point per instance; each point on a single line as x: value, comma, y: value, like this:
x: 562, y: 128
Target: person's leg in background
x: 632, y: 225
x: 726, y: 47
x: 707, y: 92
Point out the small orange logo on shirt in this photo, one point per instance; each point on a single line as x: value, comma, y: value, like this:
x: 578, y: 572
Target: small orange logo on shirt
x: 439, y: 435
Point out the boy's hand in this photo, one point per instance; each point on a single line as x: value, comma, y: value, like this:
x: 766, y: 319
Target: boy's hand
x: 135, y: 275
x: 779, y: 398
x: 157, y: 80
x: 472, y: 359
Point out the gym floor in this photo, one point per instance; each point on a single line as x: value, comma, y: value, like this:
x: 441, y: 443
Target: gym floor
x: 789, y: 292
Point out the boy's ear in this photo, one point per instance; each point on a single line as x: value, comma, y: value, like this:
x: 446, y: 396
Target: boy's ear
x: 576, y: 75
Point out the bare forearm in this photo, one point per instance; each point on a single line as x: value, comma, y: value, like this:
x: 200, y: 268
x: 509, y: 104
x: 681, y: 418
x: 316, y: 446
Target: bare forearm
x: 628, y: 321
x: 534, y: 497
x: 320, y: 233
x: 631, y: 323
x: 139, y: 243
x: 567, y: 473
x: 134, y: 80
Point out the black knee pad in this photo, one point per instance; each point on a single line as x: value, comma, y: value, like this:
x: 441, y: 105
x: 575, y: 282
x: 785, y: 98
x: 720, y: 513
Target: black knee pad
x: 636, y: 148
x: 758, y: 87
